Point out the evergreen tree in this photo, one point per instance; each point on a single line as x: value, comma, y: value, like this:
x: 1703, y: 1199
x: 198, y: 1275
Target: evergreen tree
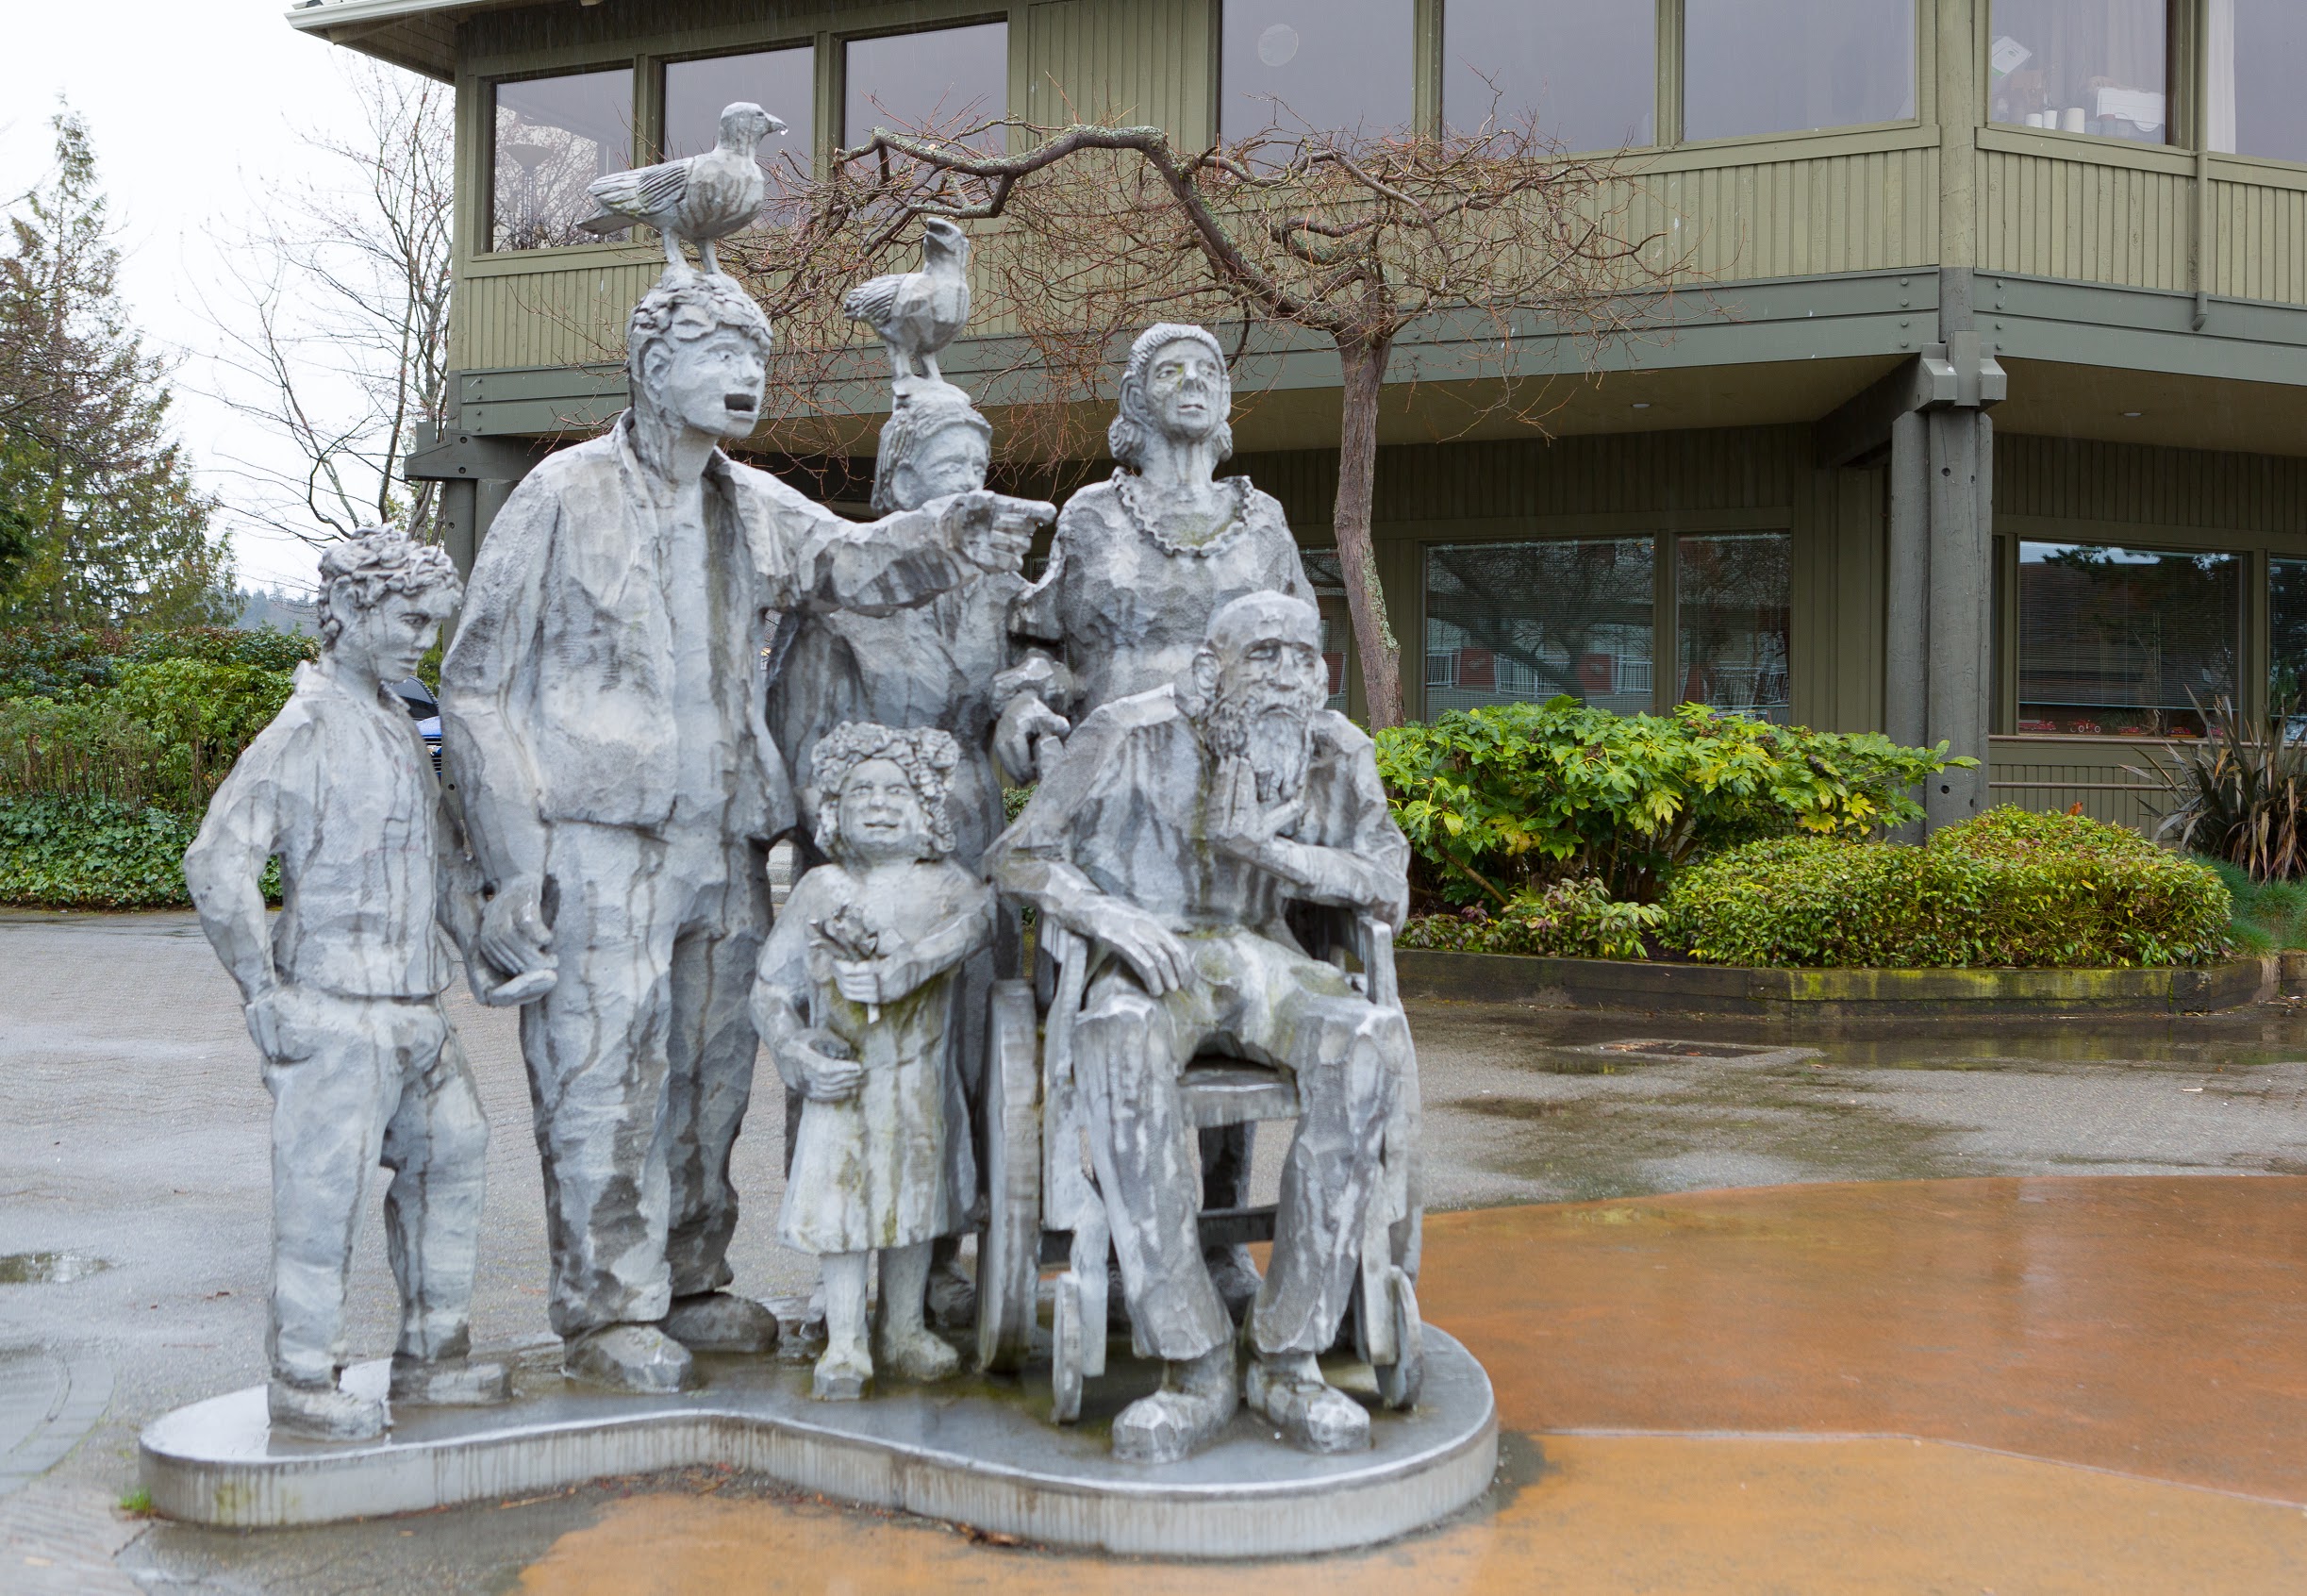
x: 97, y: 505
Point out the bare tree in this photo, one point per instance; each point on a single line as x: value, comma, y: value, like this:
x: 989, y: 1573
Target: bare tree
x: 336, y: 337
x: 1482, y: 239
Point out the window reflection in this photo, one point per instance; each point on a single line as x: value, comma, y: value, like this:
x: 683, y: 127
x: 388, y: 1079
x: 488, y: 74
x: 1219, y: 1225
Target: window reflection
x: 2287, y: 630
x: 1733, y: 599
x: 2258, y: 53
x: 1784, y: 66
x: 554, y: 136
x: 2112, y: 641
x: 2086, y: 66
x: 1327, y: 66
x: 1328, y: 575
x: 1584, y: 70
x: 781, y: 82
x: 1529, y: 622
x: 941, y: 80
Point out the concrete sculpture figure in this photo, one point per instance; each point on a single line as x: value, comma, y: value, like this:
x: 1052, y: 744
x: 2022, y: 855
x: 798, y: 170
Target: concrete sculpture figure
x: 1138, y: 565
x: 702, y: 198
x: 1178, y: 827
x: 917, y: 313
x: 343, y: 996
x: 601, y: 710
x: 856, y: 999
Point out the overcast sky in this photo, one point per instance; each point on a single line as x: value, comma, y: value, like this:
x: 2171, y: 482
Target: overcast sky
x: 190, y: 103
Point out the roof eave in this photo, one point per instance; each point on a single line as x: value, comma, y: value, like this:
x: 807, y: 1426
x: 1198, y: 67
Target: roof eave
x: 390, y: 30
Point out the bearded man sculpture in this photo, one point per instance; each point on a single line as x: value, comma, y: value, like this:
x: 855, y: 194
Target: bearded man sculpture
x: 601, y: 710
x: 1174, y: 832
x: 1138, y: 565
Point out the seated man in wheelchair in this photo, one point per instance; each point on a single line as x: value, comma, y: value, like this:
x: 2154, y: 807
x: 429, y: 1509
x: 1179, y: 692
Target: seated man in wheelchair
x: 1174, y: 835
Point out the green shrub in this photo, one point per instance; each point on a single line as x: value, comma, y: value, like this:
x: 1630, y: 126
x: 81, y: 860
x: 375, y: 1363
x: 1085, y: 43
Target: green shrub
x: 162, y: 732
x: 1506, y: 795
x: 92, y: 852
x: 2270, y: 916
x: 1568, y: 919
x: 2008, y: 889
x: 51, y: 661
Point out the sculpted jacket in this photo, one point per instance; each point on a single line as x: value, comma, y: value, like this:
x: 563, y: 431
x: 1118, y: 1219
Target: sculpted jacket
x: 557, y: 690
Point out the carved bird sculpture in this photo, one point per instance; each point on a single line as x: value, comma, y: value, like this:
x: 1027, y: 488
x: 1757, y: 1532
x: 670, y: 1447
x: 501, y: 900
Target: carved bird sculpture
x: 917, y: 313
x: 702, y: 198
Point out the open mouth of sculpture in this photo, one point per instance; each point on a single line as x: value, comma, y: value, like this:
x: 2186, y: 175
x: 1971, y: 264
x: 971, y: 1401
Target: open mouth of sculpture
x: 741, y: 404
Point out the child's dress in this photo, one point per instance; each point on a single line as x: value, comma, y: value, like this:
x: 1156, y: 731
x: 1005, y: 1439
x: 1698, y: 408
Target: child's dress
x: 872, y: 1172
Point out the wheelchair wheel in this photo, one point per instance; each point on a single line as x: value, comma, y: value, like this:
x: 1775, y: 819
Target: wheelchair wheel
x: 1009, y: 1249
x: 1400, y: 1381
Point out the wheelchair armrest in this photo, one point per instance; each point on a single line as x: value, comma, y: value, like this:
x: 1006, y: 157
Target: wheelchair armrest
x: 1373, y: 944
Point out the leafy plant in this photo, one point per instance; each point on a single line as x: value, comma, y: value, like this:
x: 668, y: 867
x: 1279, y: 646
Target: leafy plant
x: 2007, y: 890
x: 1507, y: 795
x: 1575, y: 918
x: 2240, y: 793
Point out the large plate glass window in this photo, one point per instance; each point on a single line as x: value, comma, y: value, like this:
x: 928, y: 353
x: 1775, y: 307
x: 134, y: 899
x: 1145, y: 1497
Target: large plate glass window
x: 941, y: 80
x: 1328, y: 575
x: 1788, y: 66
x: 1585, y: 71
x: 2287, y: 635
x: 554, y: 135
x: 2124, y: 642
x: 2082, y: 66
x: 1734, y: 598
x: 1529, y: 622
x: 1325, y: 66
x: 781, y: 82
x: 2258, y: 56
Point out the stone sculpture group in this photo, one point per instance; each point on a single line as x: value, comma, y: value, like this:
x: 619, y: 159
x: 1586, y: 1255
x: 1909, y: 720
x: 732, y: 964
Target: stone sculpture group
x: 667, y: 660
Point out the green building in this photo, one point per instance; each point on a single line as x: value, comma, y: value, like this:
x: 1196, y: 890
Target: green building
x: 1990, y: 427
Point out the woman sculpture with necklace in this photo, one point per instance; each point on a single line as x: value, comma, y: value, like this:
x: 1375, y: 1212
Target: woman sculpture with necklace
x: 1138, y: 565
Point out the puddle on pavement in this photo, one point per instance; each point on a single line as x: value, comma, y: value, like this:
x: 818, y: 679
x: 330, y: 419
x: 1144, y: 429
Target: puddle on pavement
x: 48, y: 1268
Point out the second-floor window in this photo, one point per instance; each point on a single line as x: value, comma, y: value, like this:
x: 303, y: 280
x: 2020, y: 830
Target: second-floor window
x: 2258, y: 55
x: 1583, y: 73
x: 781, y: 82
x: 1789, y: 66
x: 551, y: 137
x: 945, y: 79
x: 2082, y: 66
x: 1325, y: 66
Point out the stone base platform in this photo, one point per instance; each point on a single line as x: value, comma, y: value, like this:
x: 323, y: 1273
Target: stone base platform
x: 974, y: 1452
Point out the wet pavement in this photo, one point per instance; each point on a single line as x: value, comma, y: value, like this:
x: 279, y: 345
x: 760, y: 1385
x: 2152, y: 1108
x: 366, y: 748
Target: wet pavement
x: 133, y: 1135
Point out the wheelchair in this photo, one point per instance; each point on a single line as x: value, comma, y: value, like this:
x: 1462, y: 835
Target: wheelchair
x: 1044, y: 1211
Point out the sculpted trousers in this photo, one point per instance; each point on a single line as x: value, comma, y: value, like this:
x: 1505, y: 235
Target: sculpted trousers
x: 640, y: 1065
x: 382, y: 1082
x: 1256, y: 999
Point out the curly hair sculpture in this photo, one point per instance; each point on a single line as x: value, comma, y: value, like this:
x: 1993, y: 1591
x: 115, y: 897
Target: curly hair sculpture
x: 375, y: 562
x: 927, y: 755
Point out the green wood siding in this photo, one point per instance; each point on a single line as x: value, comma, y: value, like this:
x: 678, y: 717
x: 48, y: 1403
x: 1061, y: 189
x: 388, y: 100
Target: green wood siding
x: 1137, y: 61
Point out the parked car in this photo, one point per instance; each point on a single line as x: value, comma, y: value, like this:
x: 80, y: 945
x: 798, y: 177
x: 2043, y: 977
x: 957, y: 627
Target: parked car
x: 425, y: 710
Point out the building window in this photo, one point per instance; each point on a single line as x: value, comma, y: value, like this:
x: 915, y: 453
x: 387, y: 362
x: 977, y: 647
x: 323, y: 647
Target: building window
x: 1787, y: 66
x: 2287, y: 632
x: 554, y: 136
x: 941, y: 80
x: 1328, y: 575
x: 781, y: 82
x: 1582, y: 72
x: 1324, y: 66
x: 2086, y: 66
x: 1510, y: 622
x: 2124, y: 642
x: 2258, y: 50
x: 1734, y: 598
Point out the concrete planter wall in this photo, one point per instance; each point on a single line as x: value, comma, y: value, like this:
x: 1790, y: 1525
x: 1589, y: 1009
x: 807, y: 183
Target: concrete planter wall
x: 1699, y: 989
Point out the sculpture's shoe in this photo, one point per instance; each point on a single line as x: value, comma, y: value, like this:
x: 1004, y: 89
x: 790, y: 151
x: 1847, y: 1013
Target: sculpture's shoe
x: 721, y: 1322
x: 952, y: 1297
x: 1311, y: 1415
x: 450, y: 1382
x: 843, y: 1374
x: 1196, y: 1400
x: 323, y: 1412
x: 630, y: 1357
x: 916, y: 1356
x: 1236, y: 1277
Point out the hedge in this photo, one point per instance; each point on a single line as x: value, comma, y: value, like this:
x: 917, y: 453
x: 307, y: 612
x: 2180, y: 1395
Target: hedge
x: 2009, y: 889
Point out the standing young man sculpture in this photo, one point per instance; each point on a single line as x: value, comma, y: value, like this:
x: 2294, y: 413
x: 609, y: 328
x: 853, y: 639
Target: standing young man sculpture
x: 602, y: 720
x: 343, y: 995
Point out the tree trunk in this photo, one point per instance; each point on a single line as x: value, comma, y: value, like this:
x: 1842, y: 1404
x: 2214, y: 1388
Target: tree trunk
x: 1364, y: 369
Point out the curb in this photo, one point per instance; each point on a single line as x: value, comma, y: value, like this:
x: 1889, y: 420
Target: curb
x: 1833, y: 994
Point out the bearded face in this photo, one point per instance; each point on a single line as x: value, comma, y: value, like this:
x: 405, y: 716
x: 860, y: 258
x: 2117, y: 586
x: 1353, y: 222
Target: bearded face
x: 1262, y: 707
